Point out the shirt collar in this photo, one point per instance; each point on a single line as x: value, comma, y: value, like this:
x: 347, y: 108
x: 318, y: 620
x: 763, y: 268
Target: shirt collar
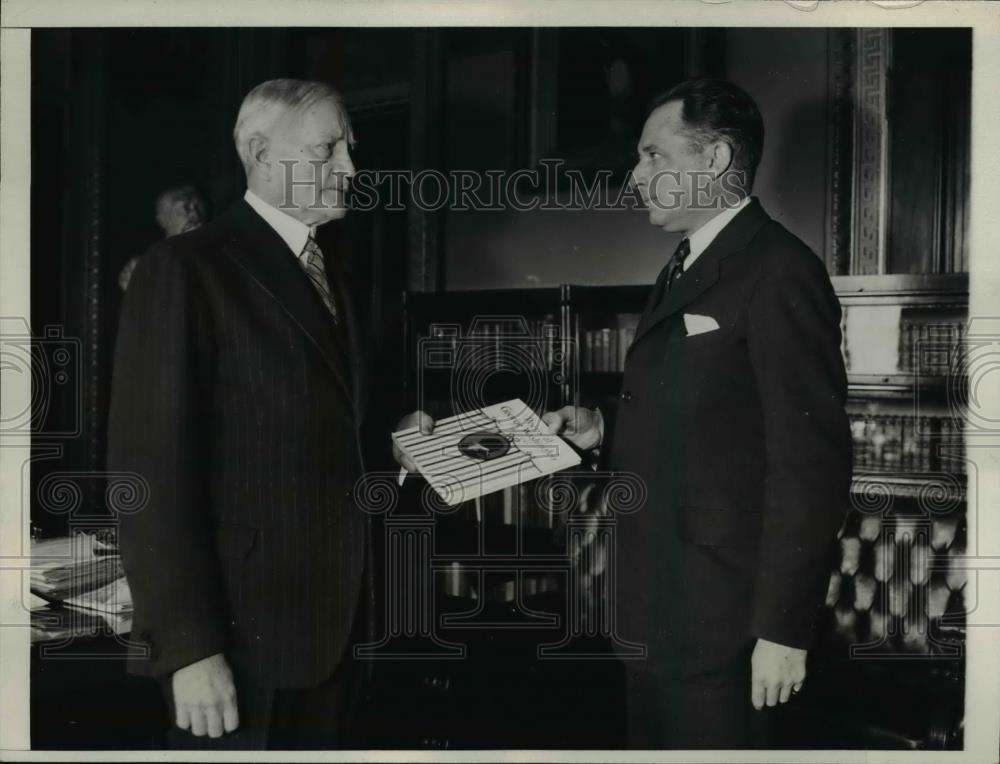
x: 704, y: 236
x: 293, y: 232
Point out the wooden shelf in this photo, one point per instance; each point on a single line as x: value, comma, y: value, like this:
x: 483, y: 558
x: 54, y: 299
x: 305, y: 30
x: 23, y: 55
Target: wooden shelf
x: 904, y: 289
x: 889, y: 302
x: 903, y: 386
x: 911, y: 486
x: 444, y: 307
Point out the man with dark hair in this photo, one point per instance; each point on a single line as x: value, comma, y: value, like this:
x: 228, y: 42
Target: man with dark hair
x: 715, y: 109
x: 732, y: 412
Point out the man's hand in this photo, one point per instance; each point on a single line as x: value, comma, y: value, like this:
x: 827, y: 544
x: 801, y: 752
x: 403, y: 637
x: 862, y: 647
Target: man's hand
x: 581, y: 427
x: 205, y: 697
x: 416, y: 419
x: 777, y: 671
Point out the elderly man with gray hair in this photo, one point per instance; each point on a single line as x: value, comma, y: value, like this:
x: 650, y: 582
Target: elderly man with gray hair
x: 238, y: 398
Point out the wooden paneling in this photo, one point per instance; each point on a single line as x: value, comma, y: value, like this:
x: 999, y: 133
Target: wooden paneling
x: 929, y: 118
x: 426, y: 272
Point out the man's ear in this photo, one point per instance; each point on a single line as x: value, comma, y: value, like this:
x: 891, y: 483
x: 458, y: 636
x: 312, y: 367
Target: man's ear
x: 259, y: 154
x: 720, y: 157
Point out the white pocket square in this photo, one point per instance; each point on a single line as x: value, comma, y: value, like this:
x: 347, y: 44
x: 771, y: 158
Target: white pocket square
x: 695, y: 324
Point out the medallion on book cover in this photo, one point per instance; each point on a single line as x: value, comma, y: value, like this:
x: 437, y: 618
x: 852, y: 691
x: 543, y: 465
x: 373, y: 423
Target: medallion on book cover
x: 483, y: 446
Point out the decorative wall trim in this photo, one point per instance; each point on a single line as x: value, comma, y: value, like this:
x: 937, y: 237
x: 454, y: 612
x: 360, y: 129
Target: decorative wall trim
x: 840, y: 142
x: 426, y: 115
x: 89, y: 116
x: 871, y: 132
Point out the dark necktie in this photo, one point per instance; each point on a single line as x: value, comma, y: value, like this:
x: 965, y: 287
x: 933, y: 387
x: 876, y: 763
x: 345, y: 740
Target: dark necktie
x: 670, y: 274
x: 675, y: 267
x: 312, y: 257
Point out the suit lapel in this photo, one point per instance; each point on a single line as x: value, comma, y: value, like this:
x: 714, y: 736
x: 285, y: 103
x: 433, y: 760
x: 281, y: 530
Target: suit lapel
x: 259, y: 251
x: 704, y: 273
x: 695, y: 281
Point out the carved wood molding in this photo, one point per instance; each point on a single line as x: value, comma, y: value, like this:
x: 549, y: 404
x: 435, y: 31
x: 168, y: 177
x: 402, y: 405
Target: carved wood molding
x: 871, y: 176
x: 426, y: 271
x: 840, y: 140
x: 88, y: 112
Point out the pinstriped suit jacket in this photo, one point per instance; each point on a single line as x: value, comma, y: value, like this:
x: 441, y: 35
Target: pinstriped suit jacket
x: 240, y: 403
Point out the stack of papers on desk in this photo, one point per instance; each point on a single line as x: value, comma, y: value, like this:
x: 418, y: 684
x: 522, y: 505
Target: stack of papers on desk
x: 85, y: 573
x: 57, y: 625
x: 66, y: 566
x: 485, y: 450
x: 36, y: 603
x: 113, y: 602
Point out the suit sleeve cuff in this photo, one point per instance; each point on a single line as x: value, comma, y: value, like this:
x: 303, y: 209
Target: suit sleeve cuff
x: 796, y: 630
x: 181, y: 647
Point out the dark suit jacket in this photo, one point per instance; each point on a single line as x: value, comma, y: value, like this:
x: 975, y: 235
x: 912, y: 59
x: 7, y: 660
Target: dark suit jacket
x: 239, y: 402
x: 741, y: 437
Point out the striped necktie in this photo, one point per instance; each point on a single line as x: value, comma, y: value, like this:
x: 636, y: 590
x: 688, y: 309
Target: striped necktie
x: 312, y: 259
x: 676, y: 263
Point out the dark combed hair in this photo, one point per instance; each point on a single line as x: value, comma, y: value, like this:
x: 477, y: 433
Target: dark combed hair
x: 719, y: 110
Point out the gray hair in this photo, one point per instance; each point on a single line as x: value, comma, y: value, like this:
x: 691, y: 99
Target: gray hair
x: 267, y: 102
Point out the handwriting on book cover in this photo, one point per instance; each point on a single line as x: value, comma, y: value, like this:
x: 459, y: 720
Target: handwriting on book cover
x: 485, y: 450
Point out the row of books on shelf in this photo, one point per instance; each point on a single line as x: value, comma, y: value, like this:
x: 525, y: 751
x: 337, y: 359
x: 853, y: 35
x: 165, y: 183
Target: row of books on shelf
x: 924, y: 347
x: 931, y: 348
x: 605, y: 349
x: 497, y: 343
x: 907, y: 443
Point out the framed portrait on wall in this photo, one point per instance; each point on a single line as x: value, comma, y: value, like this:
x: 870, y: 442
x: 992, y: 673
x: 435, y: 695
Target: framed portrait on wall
x: 591, y: 88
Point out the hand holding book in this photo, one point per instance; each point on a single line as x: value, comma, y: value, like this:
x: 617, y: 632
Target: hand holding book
x: 418, y: 419
x: 584, y: 428
x: 481, y: 451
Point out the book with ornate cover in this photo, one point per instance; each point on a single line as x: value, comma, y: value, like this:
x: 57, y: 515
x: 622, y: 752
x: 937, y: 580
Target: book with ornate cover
x: 485, y: 450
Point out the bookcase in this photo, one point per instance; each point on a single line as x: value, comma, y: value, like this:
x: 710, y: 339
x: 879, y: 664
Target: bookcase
x: 896, y: 590
x: 902, y: 341
x: 473, y: 348
x: 903, y: 349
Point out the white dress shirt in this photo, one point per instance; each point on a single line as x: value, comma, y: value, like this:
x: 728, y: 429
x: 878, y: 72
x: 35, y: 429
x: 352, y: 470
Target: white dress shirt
x: 701, y: 238
x: 293, y: 232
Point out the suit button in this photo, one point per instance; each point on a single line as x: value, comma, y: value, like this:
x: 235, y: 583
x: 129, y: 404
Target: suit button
x: 348, y: 495
x: 626, y: 396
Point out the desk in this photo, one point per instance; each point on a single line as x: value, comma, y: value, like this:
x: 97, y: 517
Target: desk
x: 81, y: 695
